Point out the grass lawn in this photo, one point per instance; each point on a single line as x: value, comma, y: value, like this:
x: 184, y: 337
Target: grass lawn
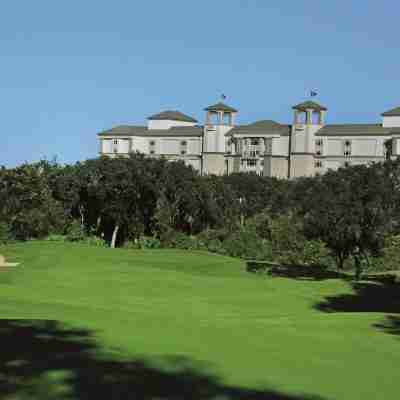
x: 200, y: 310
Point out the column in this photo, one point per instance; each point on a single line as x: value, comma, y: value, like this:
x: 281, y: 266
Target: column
x: 309, y: 113
x: 220, y: 117
x: 232, y: 119
x: 321, y: 119
x: 296, y: 117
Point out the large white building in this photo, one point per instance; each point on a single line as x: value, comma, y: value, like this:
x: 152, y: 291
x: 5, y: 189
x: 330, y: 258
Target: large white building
x: 306, y: 147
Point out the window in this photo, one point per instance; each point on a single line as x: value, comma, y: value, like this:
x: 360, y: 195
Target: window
x: 318, y: 147
x: 115, y: 141
x: 152, y: 146
x: 318, y: 164
x: 347, y: 153
x: 255, y: 142
x: 251, y: 163
x: 346, y: 164
x: 183, y: 152
x: 183, y: 143
x: 388, y: 149
x: 347, y: 143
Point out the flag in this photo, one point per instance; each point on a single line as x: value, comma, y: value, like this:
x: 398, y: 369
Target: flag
x: 313, y: 93
x: 223, y: 97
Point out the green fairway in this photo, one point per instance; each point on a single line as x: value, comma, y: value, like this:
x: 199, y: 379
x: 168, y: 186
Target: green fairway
x: 252, y: 332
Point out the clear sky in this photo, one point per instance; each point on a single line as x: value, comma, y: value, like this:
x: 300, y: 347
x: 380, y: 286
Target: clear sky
x: 70, y: 69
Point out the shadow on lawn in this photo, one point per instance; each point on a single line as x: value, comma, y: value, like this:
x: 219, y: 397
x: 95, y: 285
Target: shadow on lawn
x: 368, y: 297
x: 41, y: 359
x: 390, y: 325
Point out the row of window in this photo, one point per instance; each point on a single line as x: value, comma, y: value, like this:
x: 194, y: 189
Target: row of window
x: 320, y: 142
x: 319, y: 147
x: 182, y: 143
x: 319, y: 164
x: 251, y: 162
x: 183, y: 147
x: 183, y: 152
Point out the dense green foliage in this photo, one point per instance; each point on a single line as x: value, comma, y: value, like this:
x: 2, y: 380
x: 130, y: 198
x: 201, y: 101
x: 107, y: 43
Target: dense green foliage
x: 348, y: 216
x: 202, y: 309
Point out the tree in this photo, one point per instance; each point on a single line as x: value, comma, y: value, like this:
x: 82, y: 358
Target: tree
x: 348, y: 210
x: 27, y: 204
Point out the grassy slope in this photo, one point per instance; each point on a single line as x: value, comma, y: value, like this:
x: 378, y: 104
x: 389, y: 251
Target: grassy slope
x: 252, y: 331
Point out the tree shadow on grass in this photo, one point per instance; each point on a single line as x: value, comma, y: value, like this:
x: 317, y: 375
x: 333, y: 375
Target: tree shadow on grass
x: 390, y: 325
x: 368, y: 297
x: 44, y: 360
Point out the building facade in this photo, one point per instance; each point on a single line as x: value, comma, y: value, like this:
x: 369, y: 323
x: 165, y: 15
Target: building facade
x: 306, y: 147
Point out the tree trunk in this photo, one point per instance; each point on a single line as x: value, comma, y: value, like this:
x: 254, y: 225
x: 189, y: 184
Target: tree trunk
x: 114, y: 236
x: 81, y: 209
x: 358, y: 267
x: 339, y: 261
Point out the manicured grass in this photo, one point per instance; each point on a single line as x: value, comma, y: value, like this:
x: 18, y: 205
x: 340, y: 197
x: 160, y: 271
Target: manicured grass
x: 253, y: 332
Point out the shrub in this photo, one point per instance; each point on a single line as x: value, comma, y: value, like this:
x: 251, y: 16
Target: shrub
x: 75, y: 232
x: 245, y: 243
x: 390, y: 258
x: 209, y: 235
x: 5, y: 234
x: 213, y: 246
x: 290, y: 245
x: 95, y: 241
x: 261, y: 223
x: 313, y: 253
x: 56, y: 238
x: 148, y: 242
x: 211, y: 240
x: 179, y: 240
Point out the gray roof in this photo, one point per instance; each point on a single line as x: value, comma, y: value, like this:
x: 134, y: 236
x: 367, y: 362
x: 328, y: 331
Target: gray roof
x: 261, y: 127
x: 355, y: 130
x: 220, y: 107
x: 172, y: 116
x: 394, y: 112
x: 309, y: 105
x: 128, y: 130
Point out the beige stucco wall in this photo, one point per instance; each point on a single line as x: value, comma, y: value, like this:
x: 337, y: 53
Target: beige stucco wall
x: 276, y: 167
x: 213, y: 163
x: 301, y: 165
x: 233, y: 163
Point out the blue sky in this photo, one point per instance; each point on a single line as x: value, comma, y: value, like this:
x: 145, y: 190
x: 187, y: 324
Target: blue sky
x: 70, y: 69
